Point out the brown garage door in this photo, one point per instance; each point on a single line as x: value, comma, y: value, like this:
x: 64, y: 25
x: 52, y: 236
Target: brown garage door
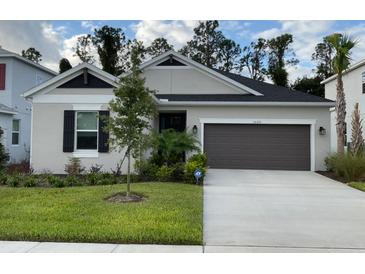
x: 285, y: 147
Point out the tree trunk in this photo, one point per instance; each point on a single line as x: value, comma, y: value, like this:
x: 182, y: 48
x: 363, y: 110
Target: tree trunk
x: 129, y: 174
x: 341, y: 115
x: 357, y: 140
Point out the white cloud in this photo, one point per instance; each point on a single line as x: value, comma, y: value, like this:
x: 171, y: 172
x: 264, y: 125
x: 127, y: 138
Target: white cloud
x: 42, y: 35
x: 176, y: 32
x: 358, y: 33
x: 89, y: 25
x: 239, y: 28
x: 18, y: 35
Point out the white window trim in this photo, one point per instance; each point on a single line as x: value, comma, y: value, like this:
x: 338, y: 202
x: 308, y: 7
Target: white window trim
x: 86, y: 107
x: 18, y: 132
x: 259, y: 121
x: 86, y: 153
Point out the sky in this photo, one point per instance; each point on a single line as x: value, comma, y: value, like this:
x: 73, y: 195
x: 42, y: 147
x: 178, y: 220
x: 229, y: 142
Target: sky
x: 56, y: 39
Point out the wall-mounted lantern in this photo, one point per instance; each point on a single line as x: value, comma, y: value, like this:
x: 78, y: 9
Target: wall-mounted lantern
x: 195, y: 129
x: 322, y: 131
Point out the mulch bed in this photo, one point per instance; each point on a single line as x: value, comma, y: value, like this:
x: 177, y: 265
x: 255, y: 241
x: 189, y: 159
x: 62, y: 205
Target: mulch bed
x: 122, y: 197
x: 332, y: 175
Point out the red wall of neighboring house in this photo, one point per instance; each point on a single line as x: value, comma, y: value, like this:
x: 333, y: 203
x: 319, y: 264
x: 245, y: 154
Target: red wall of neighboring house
x: 2, y: 76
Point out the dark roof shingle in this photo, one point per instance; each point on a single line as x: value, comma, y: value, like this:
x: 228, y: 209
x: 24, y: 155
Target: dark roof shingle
x: 270, y: 92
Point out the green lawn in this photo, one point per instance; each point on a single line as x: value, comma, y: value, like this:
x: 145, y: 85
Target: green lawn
x: 358, y: 185
x: 172, y: 214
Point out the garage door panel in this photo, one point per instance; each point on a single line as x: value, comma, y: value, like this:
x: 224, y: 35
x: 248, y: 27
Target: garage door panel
x: 258, y: 146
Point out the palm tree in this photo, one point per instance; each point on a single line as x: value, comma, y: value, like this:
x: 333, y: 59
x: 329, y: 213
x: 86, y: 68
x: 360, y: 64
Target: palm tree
x: 342, y: 44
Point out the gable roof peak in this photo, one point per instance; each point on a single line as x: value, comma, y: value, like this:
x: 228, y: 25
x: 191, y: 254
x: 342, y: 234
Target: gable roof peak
x: 7, y: 53
x: 74, y: 70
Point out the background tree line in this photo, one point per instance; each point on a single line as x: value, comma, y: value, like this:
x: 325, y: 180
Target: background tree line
x: 261, y: 59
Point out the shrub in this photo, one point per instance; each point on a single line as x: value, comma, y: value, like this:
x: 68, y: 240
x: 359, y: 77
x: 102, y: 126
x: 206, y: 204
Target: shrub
x: 197, y: 161
x: 164, y: 173
x: 22, y: 167
x: 55, y: 181
x: 105, y: 181
x: 72, y: 180
x: 95, y: 168
x: 351, y: 167
x: 14, y: 180
x: 92, y: 179
x: 118, y: 169
x: 178, y: 172
x: 169, y: 146
x: 29, y: 181
x: 73, y: 167
x: 201, y: 158
x: 3, y: 178
x: 190, y: 167
x: 4, y: 156
x: 146, y: 170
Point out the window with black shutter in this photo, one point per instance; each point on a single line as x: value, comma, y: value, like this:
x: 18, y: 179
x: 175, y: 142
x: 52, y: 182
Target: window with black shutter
x: 103, y: 145
x: 86, y: 130
x: 68, y: 130
x: 2, y: 76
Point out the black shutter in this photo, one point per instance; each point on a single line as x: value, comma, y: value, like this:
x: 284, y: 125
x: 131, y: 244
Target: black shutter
x: 68, y: 130
x: 103, y: 145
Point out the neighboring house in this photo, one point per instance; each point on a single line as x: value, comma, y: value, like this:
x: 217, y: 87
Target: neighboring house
x: 240, y: 122
x: 354, y: 87
x: 17, y: 74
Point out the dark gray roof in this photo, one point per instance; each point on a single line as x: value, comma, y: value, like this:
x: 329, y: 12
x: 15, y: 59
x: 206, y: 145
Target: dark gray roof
x: 271, y: 93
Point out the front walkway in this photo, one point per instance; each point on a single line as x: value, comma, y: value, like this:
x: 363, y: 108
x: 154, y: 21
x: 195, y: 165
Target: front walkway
x: 48, y: 247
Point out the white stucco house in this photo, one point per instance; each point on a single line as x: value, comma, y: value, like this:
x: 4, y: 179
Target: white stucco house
x: 18, y: 74
x: 354, y: 87
x: 240, y: 122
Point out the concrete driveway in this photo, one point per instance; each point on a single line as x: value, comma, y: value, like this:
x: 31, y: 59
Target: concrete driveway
x: 259, y: 210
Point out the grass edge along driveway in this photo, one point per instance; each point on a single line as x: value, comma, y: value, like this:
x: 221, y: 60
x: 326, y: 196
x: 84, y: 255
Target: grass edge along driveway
x: 172, y: 214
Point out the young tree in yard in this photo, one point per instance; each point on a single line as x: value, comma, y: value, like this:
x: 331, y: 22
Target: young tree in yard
x: 357, y: 139
x: 4, y: 157
x: 229, y: 51
x: 279, y: 58
x: 159, y: 46
x: 64, y: 65
x: 253, y: 59
x: 32, y: 54
x: 109, y: 42
x: 343, y: 45
x: 83, y: 49
x: 133, y: 108
x: 205, y: 45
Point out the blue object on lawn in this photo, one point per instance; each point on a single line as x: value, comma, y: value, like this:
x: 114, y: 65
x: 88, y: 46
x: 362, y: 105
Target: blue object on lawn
x: 198, y: 174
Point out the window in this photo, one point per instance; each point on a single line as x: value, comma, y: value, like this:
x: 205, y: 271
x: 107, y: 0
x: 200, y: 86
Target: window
x: 15, y: 132
x: 363, y: 82
x: 86, y: 130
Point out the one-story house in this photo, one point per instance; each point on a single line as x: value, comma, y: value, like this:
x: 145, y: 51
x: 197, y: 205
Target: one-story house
x: 240, y: 122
